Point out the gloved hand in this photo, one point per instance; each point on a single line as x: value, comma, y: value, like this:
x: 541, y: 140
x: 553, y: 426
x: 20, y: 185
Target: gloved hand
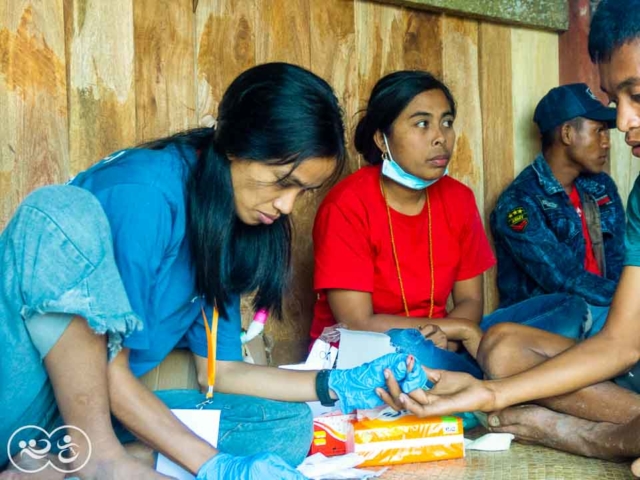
x: 256, y: 467
x: 355, y: 387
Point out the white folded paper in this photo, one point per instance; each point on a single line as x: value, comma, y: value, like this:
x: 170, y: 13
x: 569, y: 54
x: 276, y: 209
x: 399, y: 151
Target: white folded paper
x: 318, y: 467
x: 358, y: 347
x: 491, y: 442
x: 205, y: 424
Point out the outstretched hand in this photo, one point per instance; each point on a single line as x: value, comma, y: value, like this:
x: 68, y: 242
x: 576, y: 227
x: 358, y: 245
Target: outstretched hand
x: 452, y: 392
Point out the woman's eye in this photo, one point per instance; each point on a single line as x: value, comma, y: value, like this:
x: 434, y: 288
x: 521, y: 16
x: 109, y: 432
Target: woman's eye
x: 448, y: 123
x: 284, y: 183
x: 422, y: 124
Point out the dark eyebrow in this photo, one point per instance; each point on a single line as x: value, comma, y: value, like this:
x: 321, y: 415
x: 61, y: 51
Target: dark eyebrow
x: 429, y: 115
x: 629, y: 82
x: 421, y: 114
x: 291, y: 178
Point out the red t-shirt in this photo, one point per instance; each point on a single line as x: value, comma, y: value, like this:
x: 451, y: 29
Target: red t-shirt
x: 590, y: 262
x: 352, y: 247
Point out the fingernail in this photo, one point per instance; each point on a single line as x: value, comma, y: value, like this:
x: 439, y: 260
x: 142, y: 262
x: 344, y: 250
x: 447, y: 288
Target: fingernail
x: 402, y: 398
x: 379, y: 392
x: 386, y: 374
x: 494, y: 421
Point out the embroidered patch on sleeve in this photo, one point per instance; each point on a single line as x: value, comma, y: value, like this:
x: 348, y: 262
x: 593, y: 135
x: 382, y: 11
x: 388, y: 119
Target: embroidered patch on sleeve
x: 517, y: 219
x: 603, y: 200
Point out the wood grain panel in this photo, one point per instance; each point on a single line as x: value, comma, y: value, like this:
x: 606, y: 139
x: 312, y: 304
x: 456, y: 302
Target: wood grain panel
x: 164, y: 67
x: 283, y: 31
x: 624, y: 166
x: 222, y: 22
x: 379, y: 44
x: 333, y: 48
x: 422, y: 41
x: 100, y: 65
x: 283, y: 34
x: 34, y: 144
x: 497, y: 132
x: 535, y: 71
x: 460, y: 44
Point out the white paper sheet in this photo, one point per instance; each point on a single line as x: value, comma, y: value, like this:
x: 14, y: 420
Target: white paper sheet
x: 318, y: 467
x: 358, y: 347
x: 491, y: 442
x: 205, y: 424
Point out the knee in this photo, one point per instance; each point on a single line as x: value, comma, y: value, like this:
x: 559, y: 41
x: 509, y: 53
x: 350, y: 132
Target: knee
x: 298, y: 424
x: 305, y: 433
x: 496, y: 348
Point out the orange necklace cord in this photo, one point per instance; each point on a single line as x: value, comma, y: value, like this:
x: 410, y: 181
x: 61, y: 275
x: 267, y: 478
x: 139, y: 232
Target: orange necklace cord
x: 395, y: 252
x: 212, y: 340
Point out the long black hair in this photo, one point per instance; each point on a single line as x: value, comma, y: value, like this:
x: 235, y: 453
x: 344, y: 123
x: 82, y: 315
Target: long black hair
x: 389, y: 97
x: 277, y: 114
x: 615, y: 23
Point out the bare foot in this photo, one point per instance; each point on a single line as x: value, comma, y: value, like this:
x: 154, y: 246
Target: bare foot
x: 121, y: 467
x: 529, y: 423
x: 539, y: 425
x: 24, y: 468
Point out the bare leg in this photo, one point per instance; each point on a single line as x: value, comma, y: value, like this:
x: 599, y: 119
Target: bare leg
x: 77, y: 368
x: 508, y: 349
x: 599, y: 421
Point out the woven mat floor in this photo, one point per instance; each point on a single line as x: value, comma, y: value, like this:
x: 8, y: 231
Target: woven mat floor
x: 520, y: 462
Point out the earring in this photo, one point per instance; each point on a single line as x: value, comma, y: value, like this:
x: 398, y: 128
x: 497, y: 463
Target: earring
x: 385, y: 155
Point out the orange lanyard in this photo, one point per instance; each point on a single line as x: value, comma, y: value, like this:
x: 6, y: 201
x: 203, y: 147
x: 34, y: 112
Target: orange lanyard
x: 212, y: 339
x: 395, y: 253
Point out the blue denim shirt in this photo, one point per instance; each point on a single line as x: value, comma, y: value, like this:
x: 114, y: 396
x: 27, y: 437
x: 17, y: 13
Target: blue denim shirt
x: 539, y: 242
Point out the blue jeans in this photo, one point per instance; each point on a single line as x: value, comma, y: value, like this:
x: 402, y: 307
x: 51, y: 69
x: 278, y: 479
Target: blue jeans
x: 598, y: 319
x: 248, y: 425
x: 57, y: 262
x: 561, y: 314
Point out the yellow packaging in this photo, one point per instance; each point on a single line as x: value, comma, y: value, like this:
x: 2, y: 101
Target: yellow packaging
x: 405, y: 439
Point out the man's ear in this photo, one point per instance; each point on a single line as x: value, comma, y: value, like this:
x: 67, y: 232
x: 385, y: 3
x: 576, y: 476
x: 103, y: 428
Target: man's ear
x: 377, y: 137
x: 567, y: 133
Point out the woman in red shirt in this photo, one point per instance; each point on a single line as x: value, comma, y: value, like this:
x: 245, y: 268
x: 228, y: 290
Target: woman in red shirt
x: 395, y: 239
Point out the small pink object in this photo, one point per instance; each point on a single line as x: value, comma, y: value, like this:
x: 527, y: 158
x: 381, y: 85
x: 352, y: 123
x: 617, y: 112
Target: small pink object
x: 261, y: 316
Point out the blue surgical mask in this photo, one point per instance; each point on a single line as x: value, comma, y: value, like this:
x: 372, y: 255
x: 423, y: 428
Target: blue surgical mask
x: 392, y: 170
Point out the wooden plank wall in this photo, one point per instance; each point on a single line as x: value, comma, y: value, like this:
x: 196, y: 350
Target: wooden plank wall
x: 81, y: 78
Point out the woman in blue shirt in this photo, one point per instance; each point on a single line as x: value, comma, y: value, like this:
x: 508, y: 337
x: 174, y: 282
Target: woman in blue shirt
x: 192, y: 222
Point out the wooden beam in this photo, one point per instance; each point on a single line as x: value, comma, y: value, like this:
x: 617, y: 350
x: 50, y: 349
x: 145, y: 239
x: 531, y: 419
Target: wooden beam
x: 544, y: 14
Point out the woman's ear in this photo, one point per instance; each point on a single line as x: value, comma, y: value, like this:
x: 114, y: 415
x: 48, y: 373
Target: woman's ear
x: 377, y: 137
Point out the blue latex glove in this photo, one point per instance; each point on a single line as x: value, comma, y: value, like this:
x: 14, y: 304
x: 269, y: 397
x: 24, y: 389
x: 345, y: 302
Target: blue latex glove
x: 256, y: 467
x: 355, y: 387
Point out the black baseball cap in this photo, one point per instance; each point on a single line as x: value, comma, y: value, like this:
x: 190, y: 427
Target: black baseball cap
x: 567, y: 102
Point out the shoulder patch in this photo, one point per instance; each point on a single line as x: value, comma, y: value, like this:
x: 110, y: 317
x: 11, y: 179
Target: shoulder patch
x: 603, y: 200
x: 517, y: 219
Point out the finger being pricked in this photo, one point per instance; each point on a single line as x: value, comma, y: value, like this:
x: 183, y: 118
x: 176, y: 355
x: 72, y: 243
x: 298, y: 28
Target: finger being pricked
x: 415, y: 402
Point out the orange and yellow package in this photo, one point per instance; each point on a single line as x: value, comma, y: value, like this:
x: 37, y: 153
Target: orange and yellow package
x: 330, y: 433
x: 405, y: 438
